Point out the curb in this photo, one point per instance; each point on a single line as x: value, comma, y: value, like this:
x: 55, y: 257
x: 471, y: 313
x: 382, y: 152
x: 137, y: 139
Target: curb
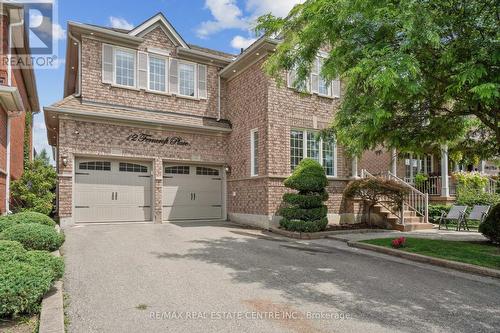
x: 321, y: 234
x: 52, y: 310
x: 463, y: 267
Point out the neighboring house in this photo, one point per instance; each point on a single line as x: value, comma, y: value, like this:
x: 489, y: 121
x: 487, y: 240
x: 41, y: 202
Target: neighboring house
x: 152, y: 128
x: 18, y: 100
x: 407, y: 166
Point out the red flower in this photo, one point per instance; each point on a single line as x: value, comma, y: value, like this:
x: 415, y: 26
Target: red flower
x: 398, y: 242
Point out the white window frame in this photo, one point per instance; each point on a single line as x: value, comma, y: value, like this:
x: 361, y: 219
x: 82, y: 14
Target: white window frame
x: 166, y: 61
x: 309, y: 88
x: 305, y: 152
x: 254, y: 160
x: 134, y: 53
x: 179, y: 62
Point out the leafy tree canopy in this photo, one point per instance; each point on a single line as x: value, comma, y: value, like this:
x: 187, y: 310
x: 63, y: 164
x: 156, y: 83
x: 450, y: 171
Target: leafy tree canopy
x: 415, y: 73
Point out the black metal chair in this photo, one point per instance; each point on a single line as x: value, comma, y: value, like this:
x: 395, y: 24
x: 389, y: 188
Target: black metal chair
x: 456, y: 213
x: 478, y: 213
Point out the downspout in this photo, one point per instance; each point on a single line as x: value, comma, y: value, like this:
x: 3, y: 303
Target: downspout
x: 218, y: 97
x: 7, y: 167
x: 79, y: 74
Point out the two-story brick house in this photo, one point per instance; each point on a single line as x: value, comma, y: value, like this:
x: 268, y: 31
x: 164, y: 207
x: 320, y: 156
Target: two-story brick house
x: 18, y: 100
x: 155, y: 129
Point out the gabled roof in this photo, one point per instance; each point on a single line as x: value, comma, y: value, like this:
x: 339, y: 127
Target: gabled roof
x: 161, y: 20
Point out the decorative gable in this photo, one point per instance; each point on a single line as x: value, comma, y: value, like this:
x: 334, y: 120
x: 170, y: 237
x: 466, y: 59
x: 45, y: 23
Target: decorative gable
x: 159, y: 20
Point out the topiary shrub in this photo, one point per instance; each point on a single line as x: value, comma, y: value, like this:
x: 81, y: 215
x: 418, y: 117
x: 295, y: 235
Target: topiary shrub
x: 25, y: 217
x: 34, y: 236
x: 304, y: 211
x: 11, y: 250
x: 47, y: 262
x: 490, y: 228
x: 22, y: 287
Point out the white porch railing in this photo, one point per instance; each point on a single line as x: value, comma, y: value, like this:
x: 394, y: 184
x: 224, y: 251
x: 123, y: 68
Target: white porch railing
x: 491, y: 187
x: 414, y: 200
x: 433, y: 185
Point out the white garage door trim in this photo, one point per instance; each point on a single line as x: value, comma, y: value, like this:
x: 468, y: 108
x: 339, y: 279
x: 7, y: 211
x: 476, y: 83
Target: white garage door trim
x: 112, y: 191
x: 192, y: 192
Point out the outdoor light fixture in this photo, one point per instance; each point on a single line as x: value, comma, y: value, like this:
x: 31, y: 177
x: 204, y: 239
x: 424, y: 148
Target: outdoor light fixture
x: 227, y: 168
x: 65, y: 160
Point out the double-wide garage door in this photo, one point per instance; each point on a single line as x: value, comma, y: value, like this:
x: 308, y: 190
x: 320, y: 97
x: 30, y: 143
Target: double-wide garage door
x: 121, y: 191
x: 112, y: 191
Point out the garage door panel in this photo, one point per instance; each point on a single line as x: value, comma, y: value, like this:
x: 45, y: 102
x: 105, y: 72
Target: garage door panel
x: 112, y: 195
x: 192, y: 196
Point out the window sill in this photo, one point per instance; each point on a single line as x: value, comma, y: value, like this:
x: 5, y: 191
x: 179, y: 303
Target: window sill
x: 314, y: 93
x: 114, y: 85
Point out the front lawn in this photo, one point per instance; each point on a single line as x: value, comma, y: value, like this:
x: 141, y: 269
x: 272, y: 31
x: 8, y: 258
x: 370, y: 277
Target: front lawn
x: 476, y: 253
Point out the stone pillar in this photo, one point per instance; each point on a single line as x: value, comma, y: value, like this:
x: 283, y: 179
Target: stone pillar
x: 354, y: 167
x: 394, y: 161
x: 445, y: 188
x: 158, y: 190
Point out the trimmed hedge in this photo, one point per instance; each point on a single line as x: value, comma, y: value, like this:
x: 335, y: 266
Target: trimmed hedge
x: 25, y: 217
x: 305, y: 200
x: 304, y: 226
x: 490, y: 228
x: 306, y: 214
x: 11, y: 250
x: 47, y: 262
x: 309, y: 176
x: 22, y: 287
x: 34, y: 236
x: 304, y: 211
x: 436, y: 210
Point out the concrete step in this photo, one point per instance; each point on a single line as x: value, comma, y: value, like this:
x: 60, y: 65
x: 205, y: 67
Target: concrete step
x: 413, y: 226
x: 383, y: 210
x: 408, y: 219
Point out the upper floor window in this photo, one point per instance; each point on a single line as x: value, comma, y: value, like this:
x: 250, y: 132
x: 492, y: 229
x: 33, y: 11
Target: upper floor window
x: 254, y: 152
x: 315, y: 83
x: 125, y: 67
x: 154, y: 72
x: 186, y: 79
x: 305, y: 143
x: 157, y: 73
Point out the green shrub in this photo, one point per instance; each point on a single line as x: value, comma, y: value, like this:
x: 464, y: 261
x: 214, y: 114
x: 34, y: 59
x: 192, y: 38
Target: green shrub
x: 490, y: 228
x: 305, y: 200
x: 25, y: 217
x: 309, y: 176
x: 471, y: 197
x: 304, y: 226
x: 306, y: 214
x: 435, y: 212
x: 11, y: 250
x: 34, y: 236
x: 46, y: 261
x: 304, y: 211
x: 22, y: 287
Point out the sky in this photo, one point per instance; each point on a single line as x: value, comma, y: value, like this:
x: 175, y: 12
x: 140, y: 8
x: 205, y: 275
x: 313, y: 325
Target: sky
x: 224, y: 25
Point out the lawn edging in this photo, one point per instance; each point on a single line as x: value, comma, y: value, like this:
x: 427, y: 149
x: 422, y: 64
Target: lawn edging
x: 463, y: 267
x: 320, y: 234
x: 52, y: 309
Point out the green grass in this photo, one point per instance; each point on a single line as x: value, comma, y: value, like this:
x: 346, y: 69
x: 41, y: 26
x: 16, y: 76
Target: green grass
x: 476, y: 253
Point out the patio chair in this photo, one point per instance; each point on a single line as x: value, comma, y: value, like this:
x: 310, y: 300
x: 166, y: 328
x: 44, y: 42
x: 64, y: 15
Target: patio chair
x: 478, y: 213
x: 456, y: 213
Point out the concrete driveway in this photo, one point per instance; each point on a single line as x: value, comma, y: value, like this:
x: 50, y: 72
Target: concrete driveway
x: 217, y: 277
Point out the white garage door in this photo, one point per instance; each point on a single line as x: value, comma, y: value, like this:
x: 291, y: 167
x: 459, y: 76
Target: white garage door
x: 192, y: 192
x: 112, y: 191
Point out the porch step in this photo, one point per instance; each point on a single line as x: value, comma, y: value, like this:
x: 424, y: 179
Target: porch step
x: 383, y: 210
x: 413, y: 226
x: 408, y: 219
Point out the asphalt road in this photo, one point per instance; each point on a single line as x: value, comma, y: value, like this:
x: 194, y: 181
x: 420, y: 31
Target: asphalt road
x: 214, y: 277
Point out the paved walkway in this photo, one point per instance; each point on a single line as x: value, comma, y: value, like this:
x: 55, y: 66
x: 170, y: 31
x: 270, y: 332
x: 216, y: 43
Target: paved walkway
x: 214, y: 277
x: 431, y: 234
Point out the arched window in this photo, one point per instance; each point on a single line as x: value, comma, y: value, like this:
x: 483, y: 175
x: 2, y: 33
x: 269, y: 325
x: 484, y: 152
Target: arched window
x: 95, y: 165
x: 177, y: 169
x: 203, y: 171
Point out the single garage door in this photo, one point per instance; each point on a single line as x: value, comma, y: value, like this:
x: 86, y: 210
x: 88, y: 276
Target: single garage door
x: 192, y: 192
x: 112, y: 191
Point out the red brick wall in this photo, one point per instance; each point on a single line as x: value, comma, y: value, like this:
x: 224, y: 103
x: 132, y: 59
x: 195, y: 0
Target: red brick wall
x: 93, y: 89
